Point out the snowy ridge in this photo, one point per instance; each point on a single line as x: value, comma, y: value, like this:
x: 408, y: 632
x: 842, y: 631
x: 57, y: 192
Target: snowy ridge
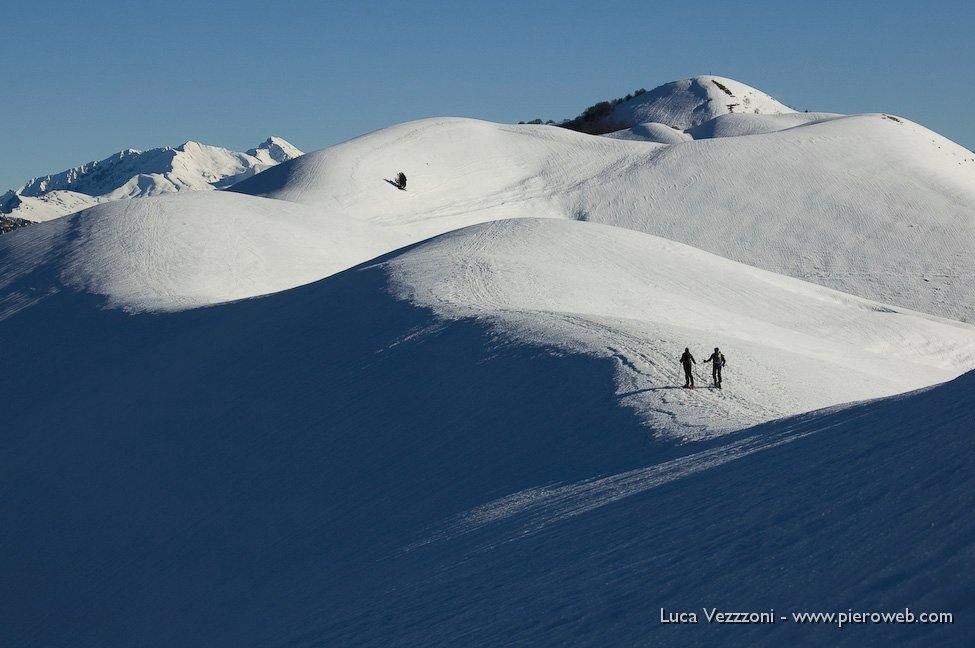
x: 175, y: 252
x: 540, y: 281
x: 797, y: 346
x: 873, y: 205
x: 130, y: 174
x: 728, y: 125
x: 651, y: 132
x: 739, y: 125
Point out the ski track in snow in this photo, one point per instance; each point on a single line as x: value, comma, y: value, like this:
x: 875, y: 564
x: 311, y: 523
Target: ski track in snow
x: 533, y: 510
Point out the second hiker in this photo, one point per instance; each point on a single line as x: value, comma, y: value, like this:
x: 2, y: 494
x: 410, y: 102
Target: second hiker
x: 717, y: 358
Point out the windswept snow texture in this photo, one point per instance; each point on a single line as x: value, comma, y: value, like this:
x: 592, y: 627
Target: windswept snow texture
x: 332, y: 466
x: 130, y: 174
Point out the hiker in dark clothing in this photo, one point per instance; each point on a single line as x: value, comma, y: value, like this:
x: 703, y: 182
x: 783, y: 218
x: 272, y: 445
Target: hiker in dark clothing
x: 717, y: 358
x: 686, y: 360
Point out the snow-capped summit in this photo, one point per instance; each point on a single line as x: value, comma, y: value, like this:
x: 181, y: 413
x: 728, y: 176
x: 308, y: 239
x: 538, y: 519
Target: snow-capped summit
x: 274, y: 150
x: 680, y: 105
x: 131, y: 173
x: 691, y: 102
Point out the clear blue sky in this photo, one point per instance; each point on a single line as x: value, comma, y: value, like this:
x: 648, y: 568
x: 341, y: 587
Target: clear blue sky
x: 85, y: 79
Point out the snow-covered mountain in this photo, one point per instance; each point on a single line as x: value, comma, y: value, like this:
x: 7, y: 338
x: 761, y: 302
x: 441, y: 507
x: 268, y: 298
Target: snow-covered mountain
x: 319, y: 410
x: 679, y: 105
x: 691, y: 102
x: 872, y: 205
x: 131, y: 174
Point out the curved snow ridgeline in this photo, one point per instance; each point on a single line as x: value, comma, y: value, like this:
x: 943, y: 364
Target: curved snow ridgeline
x: 872, y: 205
x: 639, y: 300
x: 176, y: 252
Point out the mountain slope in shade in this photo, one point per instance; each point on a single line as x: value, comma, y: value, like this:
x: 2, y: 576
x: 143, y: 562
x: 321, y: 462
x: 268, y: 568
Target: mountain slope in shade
x: 130, y: 174
x: 333, y: 465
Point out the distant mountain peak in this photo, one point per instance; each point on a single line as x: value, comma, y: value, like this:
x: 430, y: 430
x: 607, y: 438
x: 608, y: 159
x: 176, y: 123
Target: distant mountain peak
x: 275, y: 148
x: 691, y: 102
x: 131, y: 173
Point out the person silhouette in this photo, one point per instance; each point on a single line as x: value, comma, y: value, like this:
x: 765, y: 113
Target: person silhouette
x: 686, y: 360
x: 718, y: 362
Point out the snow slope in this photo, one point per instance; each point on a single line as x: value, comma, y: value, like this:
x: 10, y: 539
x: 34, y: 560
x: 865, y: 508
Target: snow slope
x: 128, y: 174
x: 873, y: 205
x: 651, y: 132
x: 739, y: 124
x: 193, y: 249
x: 727, y: 125
x: 611, y: 293
x: 638, y: 300
x: 331, y: 465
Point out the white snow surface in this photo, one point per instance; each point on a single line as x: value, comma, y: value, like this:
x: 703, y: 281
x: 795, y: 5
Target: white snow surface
x: 183, y: 251
x: 691, y: 102
x: 651, y: 132
x: 873, y: 205
x: 47, y: 206
x: 739, y: 124
x: 275, y: 150
x: 130, y: 174
x: 639, y: 300
x: 727, y: 125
